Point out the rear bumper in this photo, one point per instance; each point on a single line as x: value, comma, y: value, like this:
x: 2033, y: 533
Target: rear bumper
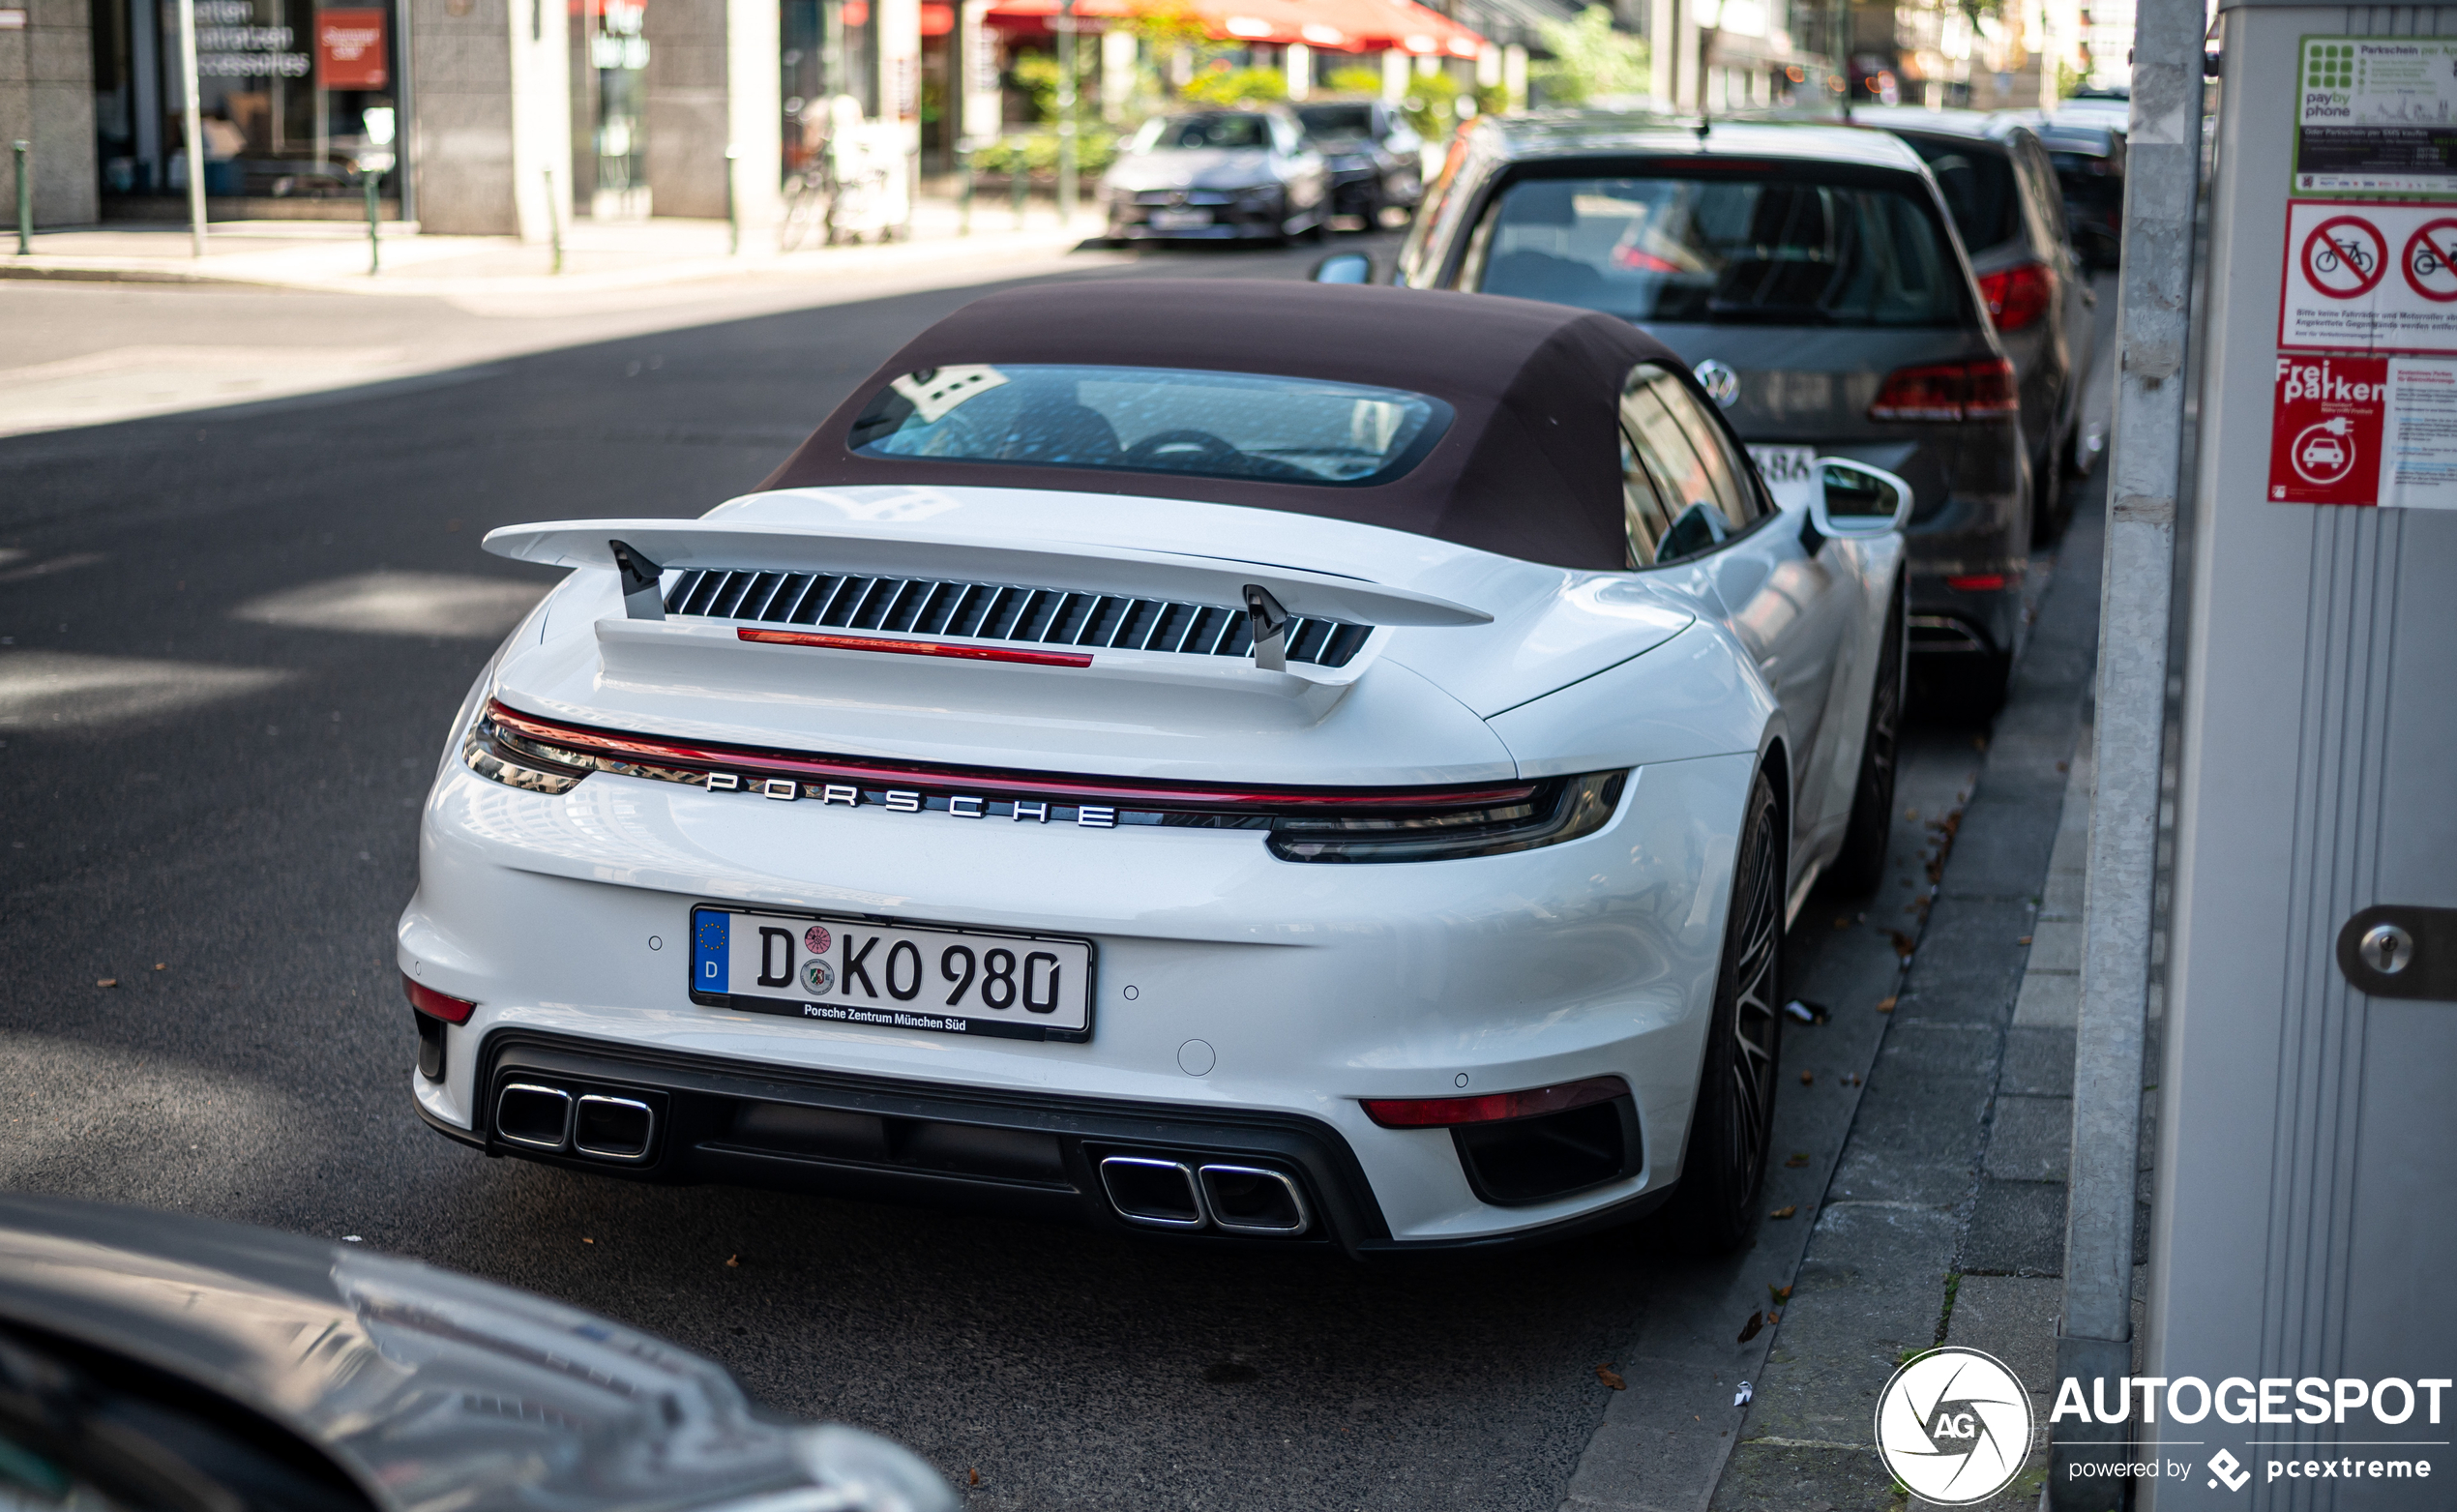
x: 1021, y: 1154
x: 1232, y: 989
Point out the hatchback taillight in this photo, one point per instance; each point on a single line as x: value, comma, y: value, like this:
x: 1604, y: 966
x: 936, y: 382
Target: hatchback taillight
x: 1947, y: 391
x: 2019, y: 295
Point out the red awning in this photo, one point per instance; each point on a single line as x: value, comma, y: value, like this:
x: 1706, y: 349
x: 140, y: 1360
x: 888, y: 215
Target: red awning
x: 1338, y: 25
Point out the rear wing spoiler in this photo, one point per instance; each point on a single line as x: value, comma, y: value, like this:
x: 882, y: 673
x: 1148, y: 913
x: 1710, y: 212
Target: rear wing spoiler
x: 643, y: 550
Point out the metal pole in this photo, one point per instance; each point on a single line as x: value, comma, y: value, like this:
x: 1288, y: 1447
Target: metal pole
x: 195, y: 122
x: 2145, y: 479
x: 25, y: 200
x: 374, y: 237
x: 555, y: 222
x: 733, y: 210
x: 1066, y: 112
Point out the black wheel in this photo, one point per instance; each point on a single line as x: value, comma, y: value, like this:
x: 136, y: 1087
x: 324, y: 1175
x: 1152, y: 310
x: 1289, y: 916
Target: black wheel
x: 1716, y: 1205
x: 1860, y: 864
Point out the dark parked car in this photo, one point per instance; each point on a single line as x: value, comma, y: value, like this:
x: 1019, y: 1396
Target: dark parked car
x: 1374, y: 157
x: 2008, y: 204
x: 1219, y: 175
x: 160, y: 1363
x: 1813, y: 276
x: 2087, y: 150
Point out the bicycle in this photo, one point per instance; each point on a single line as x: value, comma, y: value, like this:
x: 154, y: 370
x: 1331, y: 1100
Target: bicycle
x: 810, y: 204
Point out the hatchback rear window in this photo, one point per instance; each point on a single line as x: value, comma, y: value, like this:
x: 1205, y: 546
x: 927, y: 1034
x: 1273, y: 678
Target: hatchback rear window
x: 1164, y: 420
x: 1337, y: 120
x: 1785, y: 251
x: 1979, y: 188
x: 1196, y: 132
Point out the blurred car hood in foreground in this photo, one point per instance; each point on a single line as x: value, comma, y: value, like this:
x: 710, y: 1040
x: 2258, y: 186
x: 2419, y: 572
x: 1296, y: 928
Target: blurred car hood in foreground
x: 431, y: 1389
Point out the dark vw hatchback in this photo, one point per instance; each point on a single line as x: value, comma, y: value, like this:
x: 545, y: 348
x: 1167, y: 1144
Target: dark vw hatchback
x: 1813, y: 276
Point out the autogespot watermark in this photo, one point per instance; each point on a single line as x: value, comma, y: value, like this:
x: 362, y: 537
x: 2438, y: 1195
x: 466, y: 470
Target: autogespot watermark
x: 1954, y: 1426
x: 2308, y: 1402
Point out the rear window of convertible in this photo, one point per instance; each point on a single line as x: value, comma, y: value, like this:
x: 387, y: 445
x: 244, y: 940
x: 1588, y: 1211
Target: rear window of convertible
x: 1154, y: 420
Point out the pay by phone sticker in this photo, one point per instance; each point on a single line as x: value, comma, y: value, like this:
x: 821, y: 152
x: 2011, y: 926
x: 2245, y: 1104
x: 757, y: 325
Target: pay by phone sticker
x: 2349, y: 428
x: 2369, y: 277
x: 2377, y: 115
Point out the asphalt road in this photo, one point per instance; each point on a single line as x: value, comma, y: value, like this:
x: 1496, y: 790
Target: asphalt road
x: 211, y: 786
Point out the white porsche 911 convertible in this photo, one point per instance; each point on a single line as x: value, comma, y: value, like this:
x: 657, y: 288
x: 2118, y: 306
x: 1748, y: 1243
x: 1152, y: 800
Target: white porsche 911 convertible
x: 1273, y: 762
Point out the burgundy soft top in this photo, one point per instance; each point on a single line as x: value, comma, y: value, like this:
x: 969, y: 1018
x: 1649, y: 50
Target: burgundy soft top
x: 1529, y: 469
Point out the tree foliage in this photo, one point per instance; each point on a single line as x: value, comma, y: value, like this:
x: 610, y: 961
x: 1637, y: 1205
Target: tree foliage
x: 1590, y: 59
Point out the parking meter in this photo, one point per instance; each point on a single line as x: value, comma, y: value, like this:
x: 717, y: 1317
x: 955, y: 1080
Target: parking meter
x: 2306, y: 1148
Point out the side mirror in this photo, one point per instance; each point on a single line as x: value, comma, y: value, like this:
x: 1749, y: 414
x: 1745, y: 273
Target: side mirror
x: 1855, y: 500
x: 1345, y: 268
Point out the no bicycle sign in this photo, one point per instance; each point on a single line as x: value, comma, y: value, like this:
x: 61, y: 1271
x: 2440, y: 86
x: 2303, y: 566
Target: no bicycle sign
x: 2370, y: 277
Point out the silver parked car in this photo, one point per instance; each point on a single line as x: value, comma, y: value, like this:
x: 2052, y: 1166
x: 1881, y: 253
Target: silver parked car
x: 154, y: 1361
x: 1812, y: 275
x: 1219, y: 175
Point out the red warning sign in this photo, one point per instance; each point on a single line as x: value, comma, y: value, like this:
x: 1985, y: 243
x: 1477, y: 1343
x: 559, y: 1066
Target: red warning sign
x: 2325, y: 430
x: 2430, y: 260
x: 2345, y: 256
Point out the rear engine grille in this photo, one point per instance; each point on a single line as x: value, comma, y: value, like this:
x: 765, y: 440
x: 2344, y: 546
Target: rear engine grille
x: 992, y: 612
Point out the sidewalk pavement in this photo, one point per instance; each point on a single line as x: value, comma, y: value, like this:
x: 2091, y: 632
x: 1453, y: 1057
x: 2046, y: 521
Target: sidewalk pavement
x: 1944, y: 1220
x: 598, y: 256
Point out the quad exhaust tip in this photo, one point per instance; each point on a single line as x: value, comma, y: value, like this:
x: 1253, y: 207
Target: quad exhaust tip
x: 1158, y: 1192
x: 598, y: 1125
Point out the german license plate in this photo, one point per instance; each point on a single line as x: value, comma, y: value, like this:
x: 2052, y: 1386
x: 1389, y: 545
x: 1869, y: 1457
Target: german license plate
x: 849, y: 970
x: 1790, y: 473
x: 1180, y: 219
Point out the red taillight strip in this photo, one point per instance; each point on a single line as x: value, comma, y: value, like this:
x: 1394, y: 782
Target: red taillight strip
x: 643, y: 748
x: 798, y: 637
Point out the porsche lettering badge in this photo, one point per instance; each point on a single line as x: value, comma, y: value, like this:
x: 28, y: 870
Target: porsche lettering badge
x: 912, y: 800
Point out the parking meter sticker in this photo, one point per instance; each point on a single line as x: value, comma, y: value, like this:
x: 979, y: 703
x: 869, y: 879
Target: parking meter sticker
x: 2325, y: 430
x: 2338, y: 296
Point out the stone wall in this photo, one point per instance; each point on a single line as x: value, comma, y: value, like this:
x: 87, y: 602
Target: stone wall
x: 47, y: 98
x: 461, y: 81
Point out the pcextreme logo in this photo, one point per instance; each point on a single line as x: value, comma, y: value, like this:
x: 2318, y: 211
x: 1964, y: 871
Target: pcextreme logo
x: 1954, y: 1426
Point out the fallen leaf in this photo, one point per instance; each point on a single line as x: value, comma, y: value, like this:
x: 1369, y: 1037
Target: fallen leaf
x: 1610, y: 1378
x: 975, y: 1477
x: 1785, y: 1212
x: 1779, y: 1293
x: 1797, y: 1161
x: 1842, y: 920
x: 1885, y: 1005
x: 2061, y: 765
x: 588, y: 1242
x: 162, y: 966
x: 107, y: 981
x: 2023, y: 940
x: 1978, y: 742
x: 1750, y: 1329
x: 1904, y: 944
x: 1808, y: 1078
x: 732, y: 1260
